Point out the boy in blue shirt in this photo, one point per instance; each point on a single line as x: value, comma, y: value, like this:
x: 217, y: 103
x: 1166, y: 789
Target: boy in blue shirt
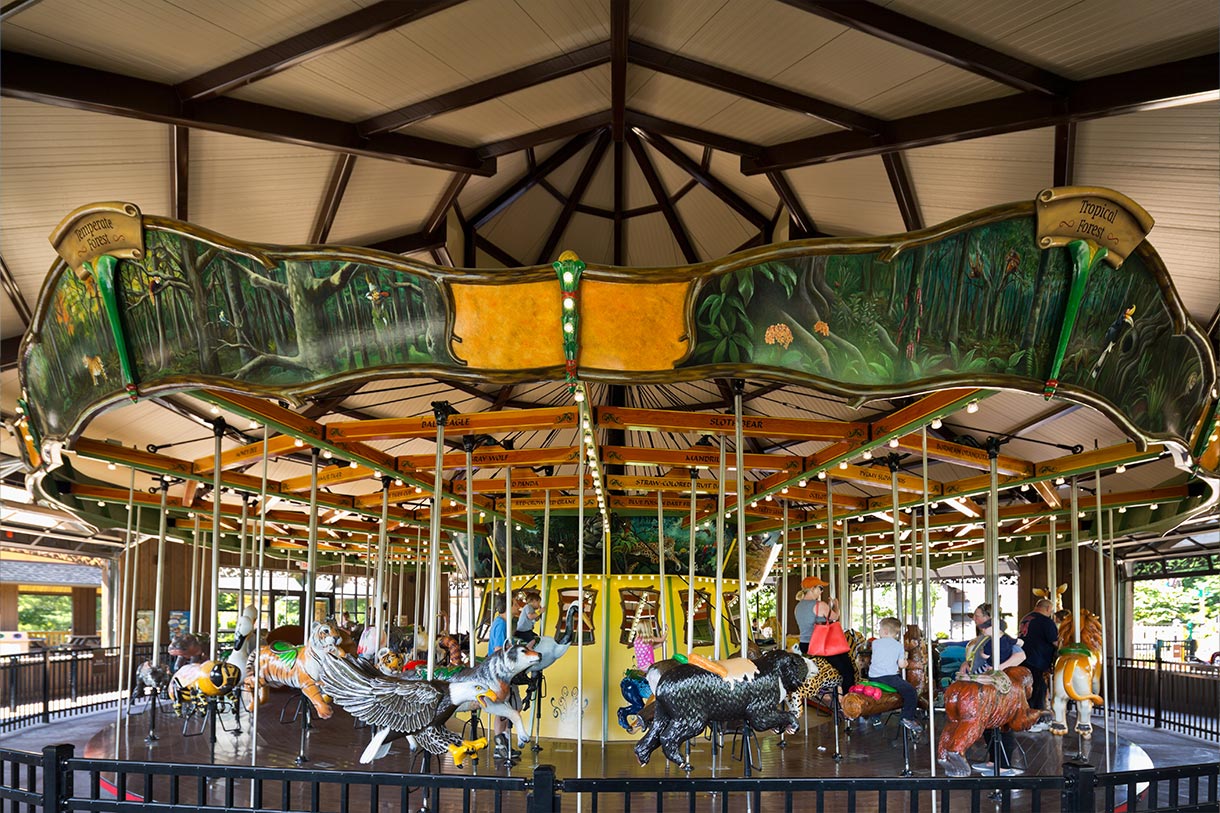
x: 888, y: 657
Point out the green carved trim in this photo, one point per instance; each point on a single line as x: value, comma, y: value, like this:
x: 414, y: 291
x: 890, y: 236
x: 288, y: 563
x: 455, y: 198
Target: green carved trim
x: 104, y: 274
x: 569, y: 268
x: 1085, y: 257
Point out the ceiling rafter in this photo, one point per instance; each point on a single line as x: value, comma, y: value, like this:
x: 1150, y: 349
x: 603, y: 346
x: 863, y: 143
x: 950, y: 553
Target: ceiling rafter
x: 531, y: 178
x: 566, y: 129
x: 180, y: 172
x: 13, y: 290
x: 620, y: 13
x: 904, y: 192
x: 578, y: 193
x: 1187, y: 81
x: 497, y: 253
x: 538, y: 73
x: 658, y: 191
x: 46, y: 81
x: 440, y: 212
x: 619, y: 232
x: 323, y: 39
x: 796, y: 209
x: 340, y: 174
x: 1065, y: 154
x: 714, y: 76
x: 411, y: 243
x: 706, y: 179
x: 915, y: 35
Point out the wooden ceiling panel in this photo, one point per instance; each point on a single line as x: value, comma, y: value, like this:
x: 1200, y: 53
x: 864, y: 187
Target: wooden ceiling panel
x: 669, y: 24
x: 952, y: 179
x: 564, y: 177
x: 480, y: 191
x: 1047, y: 32
x: 754, y: 188
x: 522, y: 112
x: 601, y: 189
x: 762, y: 124
x: 592, y: 238
x: 672, y: 177
x: 715, y: 228
x: 942, y: 87
x: 157, y: 45
x: 55, y: 159
x: 649, y: 242
x: 1168, y: 161
x: 522, y: 228
x: 848, y: 198
x: 385, y: 199
x: 267, y: 179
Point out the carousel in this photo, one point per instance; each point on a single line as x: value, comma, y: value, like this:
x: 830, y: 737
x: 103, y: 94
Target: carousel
x: 581, y: 578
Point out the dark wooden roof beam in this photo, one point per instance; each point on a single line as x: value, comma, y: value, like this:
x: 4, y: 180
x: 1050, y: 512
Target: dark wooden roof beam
x: 340, y: 174
x: 13, y: 290
x: 796, y: 210
x: 180, y: 172
x: 658, y: 192
x: 8, y: 352
x: 578, y: 192
x: 411, y: 243
x: 566, y: 129
x: 706, y: 179
x: 705, y: 138
x: 620, y: 13
x: 904, y: 192
x: 440, y: 212
x: 502, y: 85
x: 347, y: 30
x: 1188, y: 81
x: 493, y: 250
x: 713, y: 76
x: 57, y: 83
x: 531, y: 179
x: 914, y: 35
x: 1065, y: 154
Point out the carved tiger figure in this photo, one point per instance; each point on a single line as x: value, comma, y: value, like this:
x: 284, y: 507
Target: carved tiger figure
x: 282, y: 664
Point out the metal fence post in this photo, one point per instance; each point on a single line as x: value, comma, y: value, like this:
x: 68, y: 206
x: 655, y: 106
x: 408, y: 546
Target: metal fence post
x: 56, y: 778
x: 46, y: 686
x: 1079, y: 785
x: 542, y: 797
x: 1156, y: 691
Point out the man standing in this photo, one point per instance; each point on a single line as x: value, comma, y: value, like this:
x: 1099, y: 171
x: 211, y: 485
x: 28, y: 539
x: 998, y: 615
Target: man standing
x: 1040, y: 640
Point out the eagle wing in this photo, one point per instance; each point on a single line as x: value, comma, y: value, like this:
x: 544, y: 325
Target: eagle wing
x: 407, y: 706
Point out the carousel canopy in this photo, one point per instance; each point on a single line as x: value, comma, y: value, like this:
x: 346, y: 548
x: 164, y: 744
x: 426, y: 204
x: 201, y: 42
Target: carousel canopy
x: 491, y: 135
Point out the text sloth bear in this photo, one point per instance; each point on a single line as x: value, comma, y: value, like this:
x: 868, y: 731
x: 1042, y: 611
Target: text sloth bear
x: 688, y: 698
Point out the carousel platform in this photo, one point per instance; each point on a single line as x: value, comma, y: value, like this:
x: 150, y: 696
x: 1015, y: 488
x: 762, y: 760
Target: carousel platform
x: 331, y: 746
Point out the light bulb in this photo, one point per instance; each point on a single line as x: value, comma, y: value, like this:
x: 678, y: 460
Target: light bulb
x: 821, y: 475
x: 754, y: 504
x: 1060, y: 481
x: 398, y: 481
x: 769, y: 498
x: 1122, y: 509
x: 298, y: 443
x: 802, y: 483
x: 568, y: 327
x: 215, y: 409
x: 101, y: 504
x: 972, y: 407
x: 937, y: 423
x: 111, y: 466
x: 253, y: 425
x: 567, y: 277
x: 352, y: 465
x: 843, y: 464
x: 578, y: 396
x: 784, y: 490
x: 1121, y: 468
x: 1025, y: 486
x: 569, y: 303
x: 328, y: 454
x: 868, y: 454
x: 894, y: 443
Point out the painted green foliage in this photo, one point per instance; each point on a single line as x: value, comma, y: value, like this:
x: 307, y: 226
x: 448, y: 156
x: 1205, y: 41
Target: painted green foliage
x: 983, y: 302
x: 191, y: 308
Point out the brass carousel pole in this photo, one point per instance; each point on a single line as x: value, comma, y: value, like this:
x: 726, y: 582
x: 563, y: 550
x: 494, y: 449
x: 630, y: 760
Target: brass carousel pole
x: 580, y: 614
x: 383, y: 540
x: 690, y: 578
x: 1101, y: 606
x: 195, y: 606
x: 260, y: 587
x: 468, y: 448
x: 782, y: 609
x: 662, y: 590
x: 241, y: 556
x: 720, y: 505
x: 311, y: 559
x: 1075, y: 518
x: 928, y: 676
x: 898, y: 591
x: 509, y: 628
x: 218, y: 428
x: 158, y: 604
x: 125, y: 578
x: 442, y: 411
x: 743, y: 614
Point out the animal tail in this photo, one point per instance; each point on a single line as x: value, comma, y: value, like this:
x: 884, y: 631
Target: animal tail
x: 1068, y: 672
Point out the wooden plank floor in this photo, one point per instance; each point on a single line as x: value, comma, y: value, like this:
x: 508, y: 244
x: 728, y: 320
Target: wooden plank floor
x: 335, y: 744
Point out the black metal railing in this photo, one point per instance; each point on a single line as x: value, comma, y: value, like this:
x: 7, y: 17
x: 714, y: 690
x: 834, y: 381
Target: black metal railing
x: 41, y: 686
x: 56, y: 781
x: 1181, y: 697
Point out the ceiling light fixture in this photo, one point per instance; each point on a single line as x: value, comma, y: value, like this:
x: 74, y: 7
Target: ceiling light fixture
x: 972, y: 407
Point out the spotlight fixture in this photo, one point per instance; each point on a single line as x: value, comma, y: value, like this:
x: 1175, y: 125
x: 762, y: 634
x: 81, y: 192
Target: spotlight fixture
x: 1120, y: 469
x: 352, y: 464
x: 937, y: 423
x: 328, y: 454
x: 398, y: 481
x: 803, y: 482
x: 1059, y: 481
x: 1122, y: 509
x: 843, y: 464
x: 784, y: 490
x: 298, y: 443
x: 754, y: 504
x: 972, y: 407
x: 1025, y: 486
x: 894, y: 443
x: 419, y: 489
x: 111, y: 466
x: 821, y: 475
x: 101, y: 504
x: 868, y: 454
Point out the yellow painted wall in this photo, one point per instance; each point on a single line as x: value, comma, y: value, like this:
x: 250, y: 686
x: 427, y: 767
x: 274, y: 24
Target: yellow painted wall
x: 606, y: 660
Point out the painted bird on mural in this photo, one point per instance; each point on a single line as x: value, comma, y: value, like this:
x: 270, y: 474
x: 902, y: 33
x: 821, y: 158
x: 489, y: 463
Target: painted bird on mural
x: 1114, y: 334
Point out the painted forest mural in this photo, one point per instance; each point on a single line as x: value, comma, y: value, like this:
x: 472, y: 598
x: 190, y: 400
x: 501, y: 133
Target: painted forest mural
x: 980, y: 305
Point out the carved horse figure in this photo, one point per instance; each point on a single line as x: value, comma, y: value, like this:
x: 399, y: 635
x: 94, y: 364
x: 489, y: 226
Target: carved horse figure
x: 1077, y: 674
x: 982, y: 702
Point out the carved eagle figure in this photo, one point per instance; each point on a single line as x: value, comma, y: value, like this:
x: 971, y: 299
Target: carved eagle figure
x: 418, y: 708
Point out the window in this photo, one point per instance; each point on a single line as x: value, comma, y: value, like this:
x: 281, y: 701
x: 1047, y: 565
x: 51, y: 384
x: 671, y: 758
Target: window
x: 702, y: 619
x: 639, y: 604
